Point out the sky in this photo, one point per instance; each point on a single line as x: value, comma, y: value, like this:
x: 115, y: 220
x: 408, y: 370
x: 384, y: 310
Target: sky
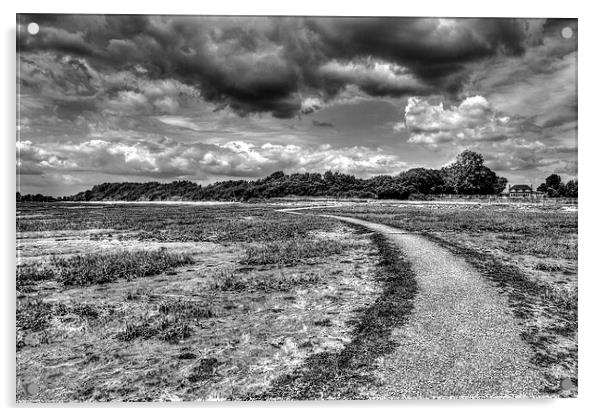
x: 113, y: 98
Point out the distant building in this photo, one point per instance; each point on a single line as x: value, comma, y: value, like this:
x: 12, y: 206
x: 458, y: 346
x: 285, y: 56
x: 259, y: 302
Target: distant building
x: 523, y: 191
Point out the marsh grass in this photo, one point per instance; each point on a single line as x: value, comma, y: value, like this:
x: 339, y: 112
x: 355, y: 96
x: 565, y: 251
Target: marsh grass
x: 231, y: 279
x: 89, y: 269
x: 543, y: 232
x: 31, y: 274
x: 291, y: 251
x: 187, y: 310
x: 105, y: 268
x: 34, y: 316
x: 175, y: 223
x: 173, y: 322
x: 143, y: 328
x: 548, y: 266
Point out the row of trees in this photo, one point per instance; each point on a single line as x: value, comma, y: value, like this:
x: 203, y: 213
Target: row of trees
x: 466, y: 176
x: 34, y: 198
x: 554, y: 187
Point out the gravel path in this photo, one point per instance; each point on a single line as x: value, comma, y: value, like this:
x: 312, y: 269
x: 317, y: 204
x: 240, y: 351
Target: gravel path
x: 461, y: 340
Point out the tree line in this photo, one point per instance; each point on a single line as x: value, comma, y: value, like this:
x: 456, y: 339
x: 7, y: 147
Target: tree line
x: 466, y: 176
x: 554, y: 187
x: 35, y: 198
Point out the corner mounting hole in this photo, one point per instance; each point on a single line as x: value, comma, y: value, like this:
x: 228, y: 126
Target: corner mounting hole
x: 33, y: 28
x: 32, y: 388
x: 566, y: 384
x: 566, y: 32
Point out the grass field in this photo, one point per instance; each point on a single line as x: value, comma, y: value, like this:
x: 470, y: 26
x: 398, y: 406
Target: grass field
x: 120, y: 302
x: 136, y: 303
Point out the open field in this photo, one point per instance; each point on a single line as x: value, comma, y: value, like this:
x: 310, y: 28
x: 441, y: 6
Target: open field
x: 178, y: 302
x: 137, y: 302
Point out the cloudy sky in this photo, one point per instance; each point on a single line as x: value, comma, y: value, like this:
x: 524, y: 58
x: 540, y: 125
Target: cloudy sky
x: 141, y: 98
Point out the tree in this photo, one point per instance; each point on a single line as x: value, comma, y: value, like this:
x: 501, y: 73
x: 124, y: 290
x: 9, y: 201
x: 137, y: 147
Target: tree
x: 329, y: 176
x: 553, y: 181
x: 542, y: 188
x: 468, y: 175
x: 500, y: 185
x: 34, y: 198
x: 275, y: 176
x: 424, y: 181
x: 571, y: 189
x: 553, y: 186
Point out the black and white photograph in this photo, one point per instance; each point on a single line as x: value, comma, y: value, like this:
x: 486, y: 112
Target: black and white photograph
x: 295, y: 208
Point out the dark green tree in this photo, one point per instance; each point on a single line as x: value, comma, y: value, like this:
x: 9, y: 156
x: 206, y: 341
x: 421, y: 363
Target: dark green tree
x: 500, y: 185
x: 571, y: 189
x: 553, y: 186
x: 424, y: 181
x: 469, y: 176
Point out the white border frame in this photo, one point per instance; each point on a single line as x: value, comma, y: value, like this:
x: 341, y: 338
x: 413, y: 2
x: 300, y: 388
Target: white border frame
x: 589, y: 152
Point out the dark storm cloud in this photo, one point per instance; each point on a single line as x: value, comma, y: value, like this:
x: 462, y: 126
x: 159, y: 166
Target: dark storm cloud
x: 271, y: 65
x: 162, y: 96
x: 436, y: 50
x: 540, y: 85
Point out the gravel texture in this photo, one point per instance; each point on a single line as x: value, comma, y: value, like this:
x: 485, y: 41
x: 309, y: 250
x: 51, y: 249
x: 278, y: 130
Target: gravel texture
x: 461, y: 340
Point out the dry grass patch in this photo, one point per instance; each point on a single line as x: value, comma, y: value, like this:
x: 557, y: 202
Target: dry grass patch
x: 89, y: 269
x: 171, y: 223
x: 291, y: 251
x: 239, y: 280
x: 173, y: 323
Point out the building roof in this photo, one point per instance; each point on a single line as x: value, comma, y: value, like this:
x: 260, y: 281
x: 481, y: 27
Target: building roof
x: 520, y: 188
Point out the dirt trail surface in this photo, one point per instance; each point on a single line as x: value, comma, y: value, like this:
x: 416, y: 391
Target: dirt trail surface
x: 461, y: 340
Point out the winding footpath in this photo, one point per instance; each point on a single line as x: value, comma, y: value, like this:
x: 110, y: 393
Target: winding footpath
x: 461, y: 340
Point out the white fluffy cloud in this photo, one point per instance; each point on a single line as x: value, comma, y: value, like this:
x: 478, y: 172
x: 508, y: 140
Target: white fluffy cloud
x: 509, y: 143
x: 373, y: 76
x: 166, y: 157
x: 471, y: 121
